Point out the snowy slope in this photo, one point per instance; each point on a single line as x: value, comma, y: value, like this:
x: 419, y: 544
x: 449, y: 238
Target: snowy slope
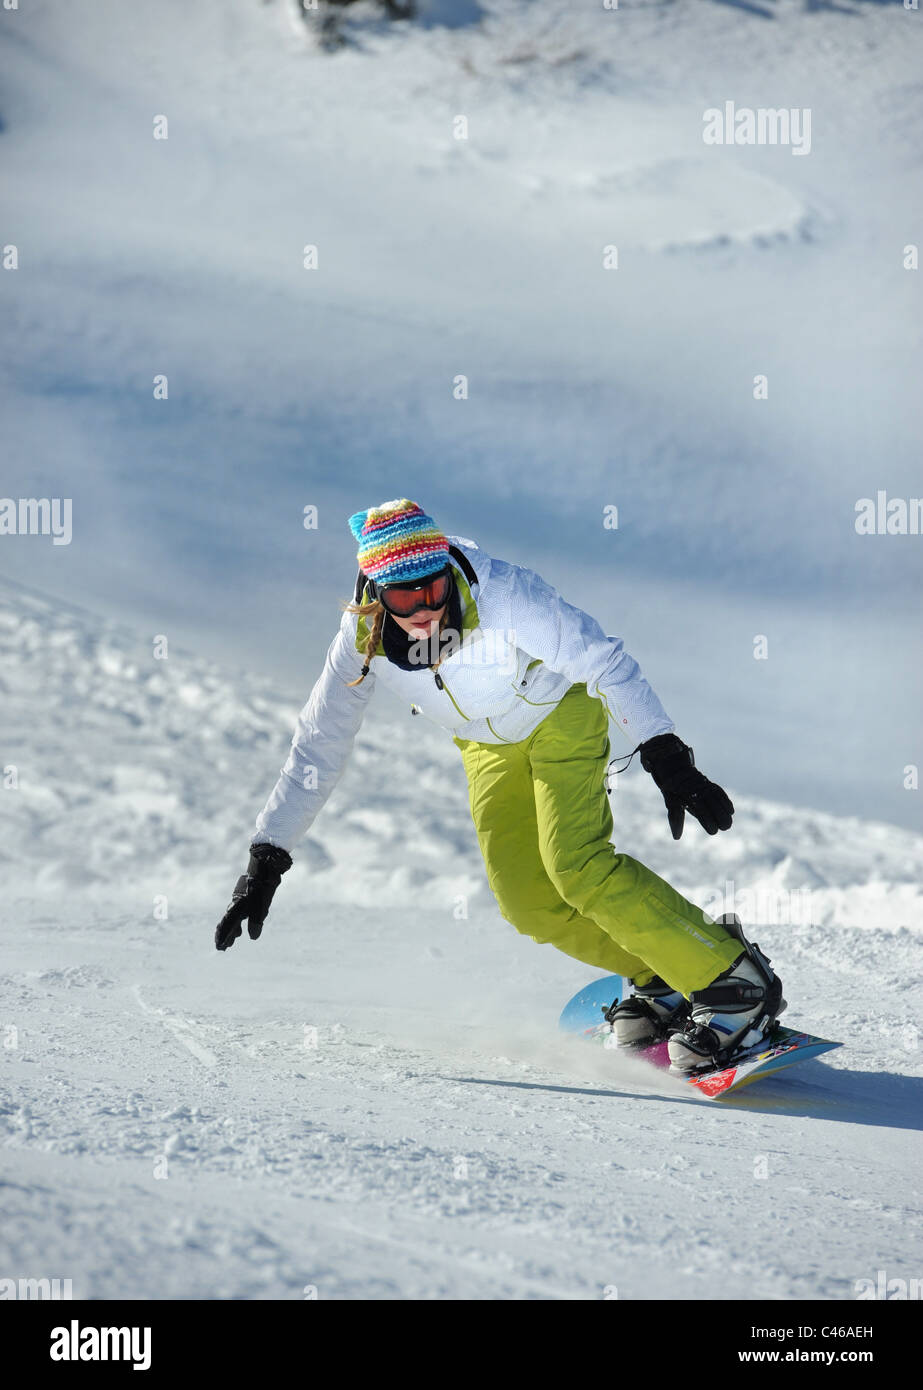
x: 373, y: 1100
x: 146, y: 766
x: 483, y: 256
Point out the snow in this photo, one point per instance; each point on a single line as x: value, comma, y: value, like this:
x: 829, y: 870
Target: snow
x: 484, y: 256
x: 373, y: 1101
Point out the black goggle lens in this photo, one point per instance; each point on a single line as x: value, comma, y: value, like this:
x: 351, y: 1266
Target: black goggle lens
x: 404, y: 601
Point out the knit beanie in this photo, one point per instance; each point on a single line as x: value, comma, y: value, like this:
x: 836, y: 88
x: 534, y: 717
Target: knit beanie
x: 398, y: 542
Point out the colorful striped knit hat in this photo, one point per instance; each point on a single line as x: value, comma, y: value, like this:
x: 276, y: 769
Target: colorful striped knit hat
x: 398, y: 542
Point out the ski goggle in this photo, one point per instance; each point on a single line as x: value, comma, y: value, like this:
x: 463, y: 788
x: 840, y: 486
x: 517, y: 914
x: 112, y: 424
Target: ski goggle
x: 405, y: 599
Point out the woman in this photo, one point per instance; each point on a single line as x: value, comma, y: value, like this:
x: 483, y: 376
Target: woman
x: 526, y: 684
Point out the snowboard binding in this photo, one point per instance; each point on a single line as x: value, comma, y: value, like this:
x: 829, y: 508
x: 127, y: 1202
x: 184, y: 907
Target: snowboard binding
x: 648, y: 1016
x: 733, y: 1016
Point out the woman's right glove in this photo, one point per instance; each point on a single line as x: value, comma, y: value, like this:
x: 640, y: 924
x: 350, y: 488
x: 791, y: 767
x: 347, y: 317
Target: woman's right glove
x: 253, y: 894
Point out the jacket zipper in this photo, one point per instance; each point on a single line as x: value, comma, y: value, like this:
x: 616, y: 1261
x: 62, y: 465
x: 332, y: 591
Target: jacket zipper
x: 442, y: 686
x: 536, y: 704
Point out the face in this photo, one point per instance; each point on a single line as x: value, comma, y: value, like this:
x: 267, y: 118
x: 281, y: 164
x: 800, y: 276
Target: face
x: 422, y: 623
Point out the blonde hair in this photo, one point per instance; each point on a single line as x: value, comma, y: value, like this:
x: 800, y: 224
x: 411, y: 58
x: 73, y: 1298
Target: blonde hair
x: 377, y: 611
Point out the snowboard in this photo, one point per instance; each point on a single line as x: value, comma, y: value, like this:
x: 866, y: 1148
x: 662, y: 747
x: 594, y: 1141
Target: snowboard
x: 782, y: 1047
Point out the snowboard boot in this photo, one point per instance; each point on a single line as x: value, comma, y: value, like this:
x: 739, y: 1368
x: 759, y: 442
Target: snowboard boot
x: 647, y: 1016
x: 733, y: 1014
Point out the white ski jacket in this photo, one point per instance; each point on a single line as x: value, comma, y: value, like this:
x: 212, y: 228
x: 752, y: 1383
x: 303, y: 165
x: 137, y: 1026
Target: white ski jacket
x: 522, y: 647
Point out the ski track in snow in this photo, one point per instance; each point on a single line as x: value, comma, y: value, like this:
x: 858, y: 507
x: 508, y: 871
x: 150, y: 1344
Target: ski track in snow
x: 373, y: 1101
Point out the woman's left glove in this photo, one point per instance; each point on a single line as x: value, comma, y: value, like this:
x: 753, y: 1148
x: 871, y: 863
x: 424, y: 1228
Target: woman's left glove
x: 685, y: 788
x: 253, y: 894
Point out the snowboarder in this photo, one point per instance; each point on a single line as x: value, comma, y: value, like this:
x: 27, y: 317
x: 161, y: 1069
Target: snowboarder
x: 526, y: 684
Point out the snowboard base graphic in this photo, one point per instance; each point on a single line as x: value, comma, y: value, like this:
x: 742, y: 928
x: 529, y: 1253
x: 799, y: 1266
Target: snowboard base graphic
x: 784, y: 1047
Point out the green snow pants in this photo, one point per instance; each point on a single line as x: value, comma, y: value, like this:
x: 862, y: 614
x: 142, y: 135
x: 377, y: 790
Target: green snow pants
x: 544, y: 826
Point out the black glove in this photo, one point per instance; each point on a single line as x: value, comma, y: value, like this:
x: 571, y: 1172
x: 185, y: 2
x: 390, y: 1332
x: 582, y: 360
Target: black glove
x: 685, y: 788
x: 253, y: 894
